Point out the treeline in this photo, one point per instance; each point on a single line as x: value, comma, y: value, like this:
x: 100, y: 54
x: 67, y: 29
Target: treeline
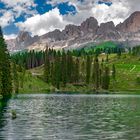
x: 29, y: 59
x: 62, y: 68
x: 32, y: 59
x: 135, y: 51
x: 97, y: 51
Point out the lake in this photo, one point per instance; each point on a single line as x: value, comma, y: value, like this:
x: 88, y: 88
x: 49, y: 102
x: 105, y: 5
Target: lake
x: 71, y: 117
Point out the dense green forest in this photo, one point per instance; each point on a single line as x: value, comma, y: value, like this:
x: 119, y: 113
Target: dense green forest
x: 92, y: 68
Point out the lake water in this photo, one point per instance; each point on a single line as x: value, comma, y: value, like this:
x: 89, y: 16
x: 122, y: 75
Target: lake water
x: 71, y: 117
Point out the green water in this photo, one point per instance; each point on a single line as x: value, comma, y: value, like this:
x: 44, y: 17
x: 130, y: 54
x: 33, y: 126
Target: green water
x: 71, y: 117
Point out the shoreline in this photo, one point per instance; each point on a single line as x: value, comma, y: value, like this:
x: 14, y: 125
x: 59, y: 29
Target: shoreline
x: 87, y: 92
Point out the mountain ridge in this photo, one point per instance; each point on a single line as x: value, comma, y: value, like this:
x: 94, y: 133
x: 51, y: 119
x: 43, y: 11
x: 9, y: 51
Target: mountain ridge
x: 74, y: 36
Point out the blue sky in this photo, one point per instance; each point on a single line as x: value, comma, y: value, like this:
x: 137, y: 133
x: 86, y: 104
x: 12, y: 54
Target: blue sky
x: 40, y: 8
x: 41, y: 16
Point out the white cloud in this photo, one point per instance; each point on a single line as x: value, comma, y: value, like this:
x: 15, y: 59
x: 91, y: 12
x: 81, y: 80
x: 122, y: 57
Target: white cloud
x: 12, y: 36
x: 117, y: 12
x: 15, y: 9
x: 41, y: 24
x: 6, y: 19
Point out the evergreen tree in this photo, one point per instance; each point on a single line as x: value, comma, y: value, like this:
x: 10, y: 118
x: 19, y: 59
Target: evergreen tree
x: 64, y: 69
x: 113, y: 72
x: 96, y: 73
x: 88, y: 69
x: 107, y: 59
x: 57, y: 71
x: 106, y: 78
x: 69, y: 66
x: 15, y: 78
x: 5, y: 68
x: 47, y: 66
x: 77, y: 70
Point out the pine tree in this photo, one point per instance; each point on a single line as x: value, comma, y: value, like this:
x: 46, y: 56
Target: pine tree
x: 69, y: 66
x: 47, y: 66
x: 113, y: 72
x: 57, y: 72
x: 64, y: 69
x: 88, y: 69
x: 106, y: 78
x: 77, y: 70
x: 96, y: 73
x: 107, y: 59
x: 15, y: 78
x: 5, y: 68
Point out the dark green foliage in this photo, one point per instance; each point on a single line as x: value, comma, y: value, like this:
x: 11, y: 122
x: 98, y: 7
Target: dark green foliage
x: 5, y: 69
x: 96, y: 73
x: 69, y: 66
x: 57, y: 71
x: 77, y: 70
x: 113, y: 72
x: 15, y: 78
x: 138, y: 80
x: 30, y: 59
x: 47, y: 66
x: 88, y: 69
x: 135, y: 51
x: 64, y: 68
x: 106, y: 78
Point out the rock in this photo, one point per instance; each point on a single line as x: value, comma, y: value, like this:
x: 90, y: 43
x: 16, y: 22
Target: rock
x: 107, y: 31
x: 74, y: 36
x: 90, y: 25
x: 55, y: 35
x: 23, y: 37
x: 131, y: 24
x: 13, y: 113
x: 72, y: 31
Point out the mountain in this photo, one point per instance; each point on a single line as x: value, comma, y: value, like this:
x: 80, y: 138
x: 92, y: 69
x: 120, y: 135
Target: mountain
x: 74, y: 36
x: 131, y: 24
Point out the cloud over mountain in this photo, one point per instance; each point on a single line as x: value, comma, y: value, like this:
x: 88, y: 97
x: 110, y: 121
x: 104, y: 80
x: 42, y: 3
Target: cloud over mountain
x: 24, y: 14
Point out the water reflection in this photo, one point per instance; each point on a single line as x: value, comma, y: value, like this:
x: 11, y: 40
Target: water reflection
x: 64, y: 117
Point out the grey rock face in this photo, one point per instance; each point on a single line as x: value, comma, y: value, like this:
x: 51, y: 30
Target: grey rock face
x: 131, y: 24
x: 71, y: 31
x: 74, y: 36
x: 90, y: 25
x: 108, y: 31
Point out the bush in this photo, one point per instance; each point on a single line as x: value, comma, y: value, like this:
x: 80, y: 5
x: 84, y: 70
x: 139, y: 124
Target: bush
x: 138, y: 80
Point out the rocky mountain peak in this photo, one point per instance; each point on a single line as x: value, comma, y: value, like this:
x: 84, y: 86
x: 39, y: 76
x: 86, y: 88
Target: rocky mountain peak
x: 107, y: 31
x: 55, y: 35
x: 23, y: 36
x: 90, y: 25
x: 75, y: 36
x: 131, y: 24
x: 72, y: 30
x: 106, y: 27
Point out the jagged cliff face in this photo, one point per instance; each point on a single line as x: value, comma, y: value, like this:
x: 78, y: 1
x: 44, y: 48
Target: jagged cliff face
x: 108, y: 31
x: 75, y: 36
x: 132, y: 24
